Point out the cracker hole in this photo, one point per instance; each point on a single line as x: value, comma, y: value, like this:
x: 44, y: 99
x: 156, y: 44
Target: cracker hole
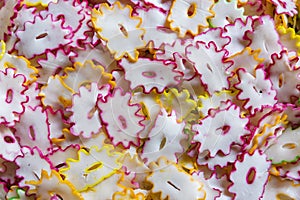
x: 9, y: 96
x: 9, y: 139
x: 95, y: 166
x: 280, y: 81
x: 251, y: 175
x: 149, y: 74
x: 283, y: 197
x: 225, y: 129
x: 41, y: 36
x: 229, y: 20
x: 31, y: 133
x: 36, y: 176
x: 92, y: 112
x: 289, y: 146
x: 145, y: 110
x: 257, y: 91
x: 173, y: 185
x: 123, y: 30
x: 192, y: 10
x: 162, y: 143
x: 123, y: 121
x: 209, y: 67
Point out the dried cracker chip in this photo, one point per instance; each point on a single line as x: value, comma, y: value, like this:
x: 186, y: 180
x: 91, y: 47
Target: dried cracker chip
x: 285, y: 148
x: 92, y: 167
x: 226, y: 12
x: 10, y: 147
x: 153, y: 74
x: 246, y: 59
x: 7, y: 11
x: 59, y: 156
x: 269, y: 128
x: 32, y: 132
x: 31, y: 164
x: 8, y: 173
x: 250, y: 176
x: 21, y: 65
x: 220, y: 131
x: 53, y: 64
x: 71, y: 19
x: 84, y: 110
x: 256, y: 90
x: 220, y: 159
x: 57, y: 123
x: 173, y: 182
x: 52, y: 185
x: 215, y: 35
x: 153, y: 21
x: 40, y: 35
x: 236, y: 33
x: 187, y: 16
x: 211, y: 69
x: 56, y: 93
x: 164, y: 139
x: 122, y: 121
x: 86, y: 73
x: 264, y: 38
x: 285, y: 79
x: 179, y: 102
x: 218, y: 100
x: 12, y: 96
x: 211, y: 192
x: 123, y: 36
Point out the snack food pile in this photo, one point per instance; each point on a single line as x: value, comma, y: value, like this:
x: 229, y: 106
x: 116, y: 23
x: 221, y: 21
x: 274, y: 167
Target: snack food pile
x: 149, y: 99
